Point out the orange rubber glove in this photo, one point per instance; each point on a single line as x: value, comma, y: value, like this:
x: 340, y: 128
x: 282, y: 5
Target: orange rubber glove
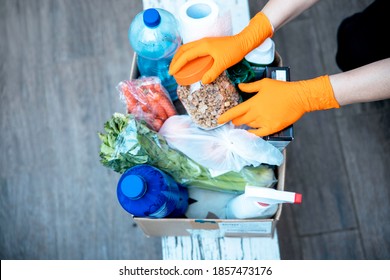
x: 279, y: 104
x: 226, y: 51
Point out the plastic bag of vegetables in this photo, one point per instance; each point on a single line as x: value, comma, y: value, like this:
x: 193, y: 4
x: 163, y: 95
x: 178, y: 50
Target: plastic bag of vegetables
x: 147, y: 100
x: 129, y: 142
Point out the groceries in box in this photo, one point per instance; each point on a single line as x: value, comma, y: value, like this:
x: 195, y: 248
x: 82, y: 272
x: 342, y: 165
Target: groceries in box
x: 204, y: 167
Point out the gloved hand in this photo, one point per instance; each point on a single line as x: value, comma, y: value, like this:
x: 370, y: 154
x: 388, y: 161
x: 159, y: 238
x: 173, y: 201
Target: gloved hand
x: 279, y: 104
x: 226, y: 51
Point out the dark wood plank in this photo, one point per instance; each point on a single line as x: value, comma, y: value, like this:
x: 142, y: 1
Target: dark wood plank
x: 315, y: 159
x: 327, y: 16
x: 63, y: 61
x: 368, y: 162
x: 343, y: 245
x: 289, y: 240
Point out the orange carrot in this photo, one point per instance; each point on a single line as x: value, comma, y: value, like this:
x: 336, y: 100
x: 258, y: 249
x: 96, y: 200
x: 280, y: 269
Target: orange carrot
x: 157, y: 124
x: 141, y: 98
x: 131, y: 102
x: 156, y: 108
x: 159, y: 111
x: 159, y: 96
x: 167, y: 105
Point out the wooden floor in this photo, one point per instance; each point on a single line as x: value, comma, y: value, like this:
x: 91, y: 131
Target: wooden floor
x: 60, y: 61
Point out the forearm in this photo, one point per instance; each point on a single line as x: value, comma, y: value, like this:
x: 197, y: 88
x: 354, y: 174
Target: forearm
x: 279, y: 12
x: 367, y: 83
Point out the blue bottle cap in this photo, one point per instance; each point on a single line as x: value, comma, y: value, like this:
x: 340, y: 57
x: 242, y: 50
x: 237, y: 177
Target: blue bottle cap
x: 132, y: 186
x: 152, y: 17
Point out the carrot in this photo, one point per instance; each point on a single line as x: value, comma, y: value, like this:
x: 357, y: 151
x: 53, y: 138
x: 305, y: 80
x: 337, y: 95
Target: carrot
x: 155, y: 107
x: 159, y: 96
x: 141, y: 96
x: 167, y: 105
x: 148, y: 99
x: 131, y: 102
x: 153, y: 101
x: 157, y: 124
x: 158, y: 88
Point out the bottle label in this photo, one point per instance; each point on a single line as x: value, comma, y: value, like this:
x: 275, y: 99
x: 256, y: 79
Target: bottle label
x: 166, y: 202
x: 259, y: 71
x: 161, y: 212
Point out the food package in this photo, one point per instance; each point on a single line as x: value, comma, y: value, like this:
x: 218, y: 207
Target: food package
x: 147, y: 100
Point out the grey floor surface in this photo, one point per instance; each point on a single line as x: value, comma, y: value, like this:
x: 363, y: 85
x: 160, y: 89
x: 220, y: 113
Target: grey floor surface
x: 60, y: 61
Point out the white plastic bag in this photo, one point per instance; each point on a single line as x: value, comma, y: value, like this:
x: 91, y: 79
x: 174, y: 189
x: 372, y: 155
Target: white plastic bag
x: 222, y: 149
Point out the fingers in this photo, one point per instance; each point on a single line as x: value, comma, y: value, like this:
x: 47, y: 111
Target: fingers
x: 244, y: 119
x: 182, y: 49
x: 185, y: 54
x: 212, y: 74
x: 233, y: 113
x: 255, y: 123
x: 251, y: 87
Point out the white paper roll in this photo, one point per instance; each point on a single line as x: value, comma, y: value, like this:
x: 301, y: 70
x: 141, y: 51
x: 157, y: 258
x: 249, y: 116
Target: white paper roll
x: 203, y: 18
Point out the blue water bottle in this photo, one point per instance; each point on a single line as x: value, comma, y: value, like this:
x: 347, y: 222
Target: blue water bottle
x: 154, y: 36
x: 146, y: 191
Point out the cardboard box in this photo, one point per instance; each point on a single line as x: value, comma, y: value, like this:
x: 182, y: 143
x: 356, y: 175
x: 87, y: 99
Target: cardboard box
x: 221, y: 227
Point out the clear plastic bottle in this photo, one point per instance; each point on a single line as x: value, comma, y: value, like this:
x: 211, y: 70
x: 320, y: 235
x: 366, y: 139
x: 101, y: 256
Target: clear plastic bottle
x: 154, y: 36
x: 146, y: 191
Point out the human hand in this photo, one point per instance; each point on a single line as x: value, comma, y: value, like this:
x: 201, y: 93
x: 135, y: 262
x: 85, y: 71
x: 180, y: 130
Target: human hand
x: 279, y: 104
x: 226, y: 51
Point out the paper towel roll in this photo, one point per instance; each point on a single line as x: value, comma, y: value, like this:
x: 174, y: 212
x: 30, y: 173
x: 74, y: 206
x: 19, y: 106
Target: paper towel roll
x: 203, y: 18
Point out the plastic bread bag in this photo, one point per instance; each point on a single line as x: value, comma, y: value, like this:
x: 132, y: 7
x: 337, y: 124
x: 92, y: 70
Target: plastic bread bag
x: 222, y: 149
x: 147, y: 100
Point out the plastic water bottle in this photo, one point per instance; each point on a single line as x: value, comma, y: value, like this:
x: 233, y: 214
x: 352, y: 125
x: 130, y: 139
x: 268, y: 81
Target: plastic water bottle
x: 146, y: 191
x: 154, y: 36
